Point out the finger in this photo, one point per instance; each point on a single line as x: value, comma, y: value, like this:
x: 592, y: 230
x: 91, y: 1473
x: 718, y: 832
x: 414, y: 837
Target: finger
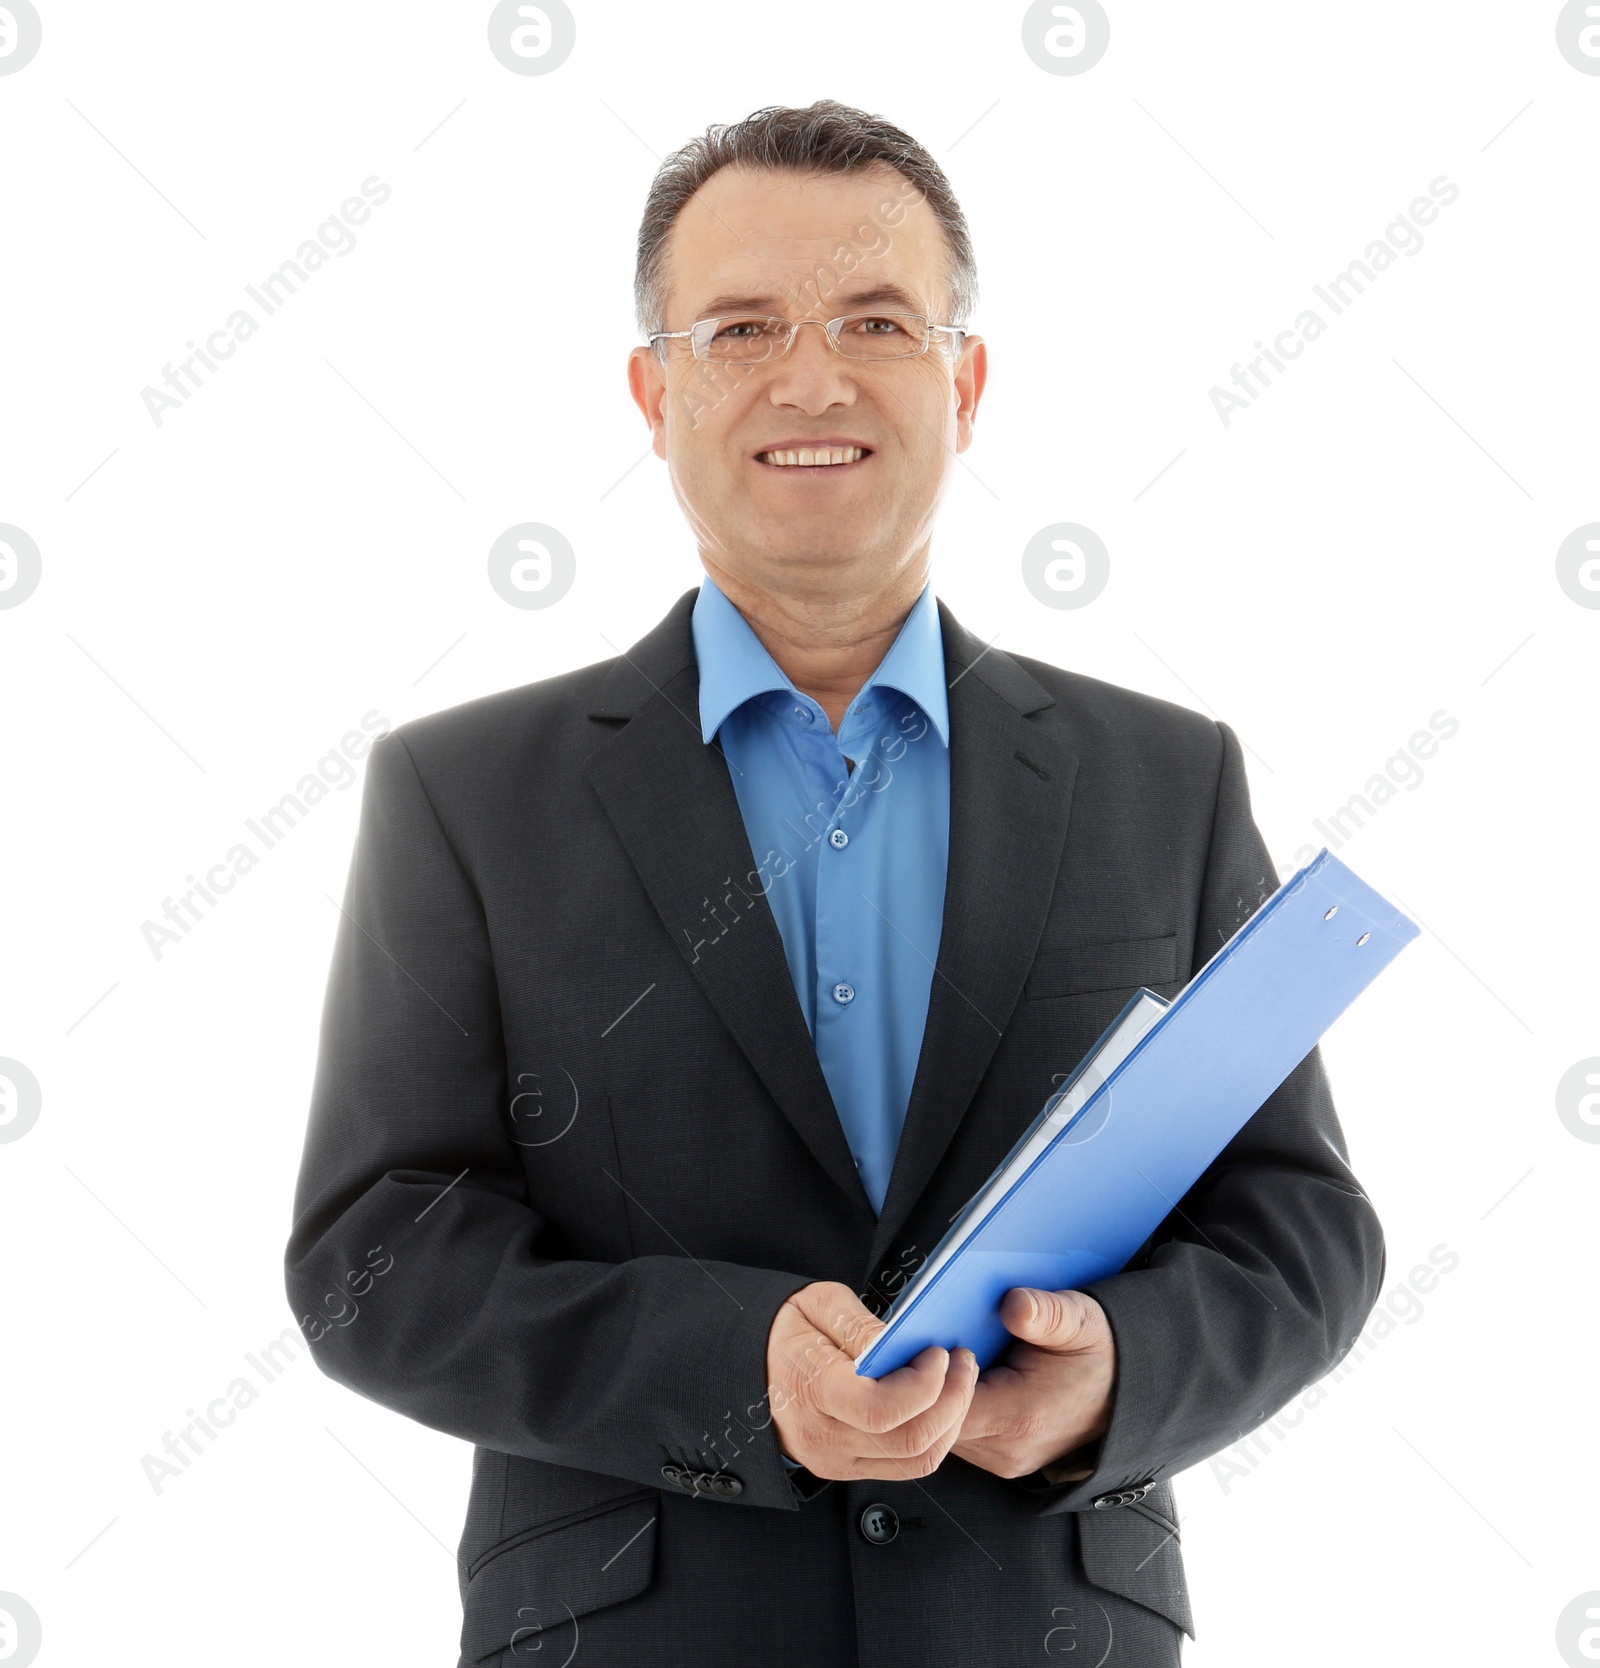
x: 839, y: 1314
x: 878, y: 1405
x: 1048, y: 1320
x: 926, y: 1430
x: 860, y: 1452
x: 999, y: 1398
x: 920, y: 1443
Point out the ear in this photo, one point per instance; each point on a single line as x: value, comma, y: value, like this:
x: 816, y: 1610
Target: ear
x: 647, y: 382
x: 972, y: 372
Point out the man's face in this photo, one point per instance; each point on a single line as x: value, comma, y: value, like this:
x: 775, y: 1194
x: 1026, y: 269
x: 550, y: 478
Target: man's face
x: 797, y: 247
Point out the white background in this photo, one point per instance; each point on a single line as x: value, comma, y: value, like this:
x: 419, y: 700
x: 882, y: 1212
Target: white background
x: 225, y: 595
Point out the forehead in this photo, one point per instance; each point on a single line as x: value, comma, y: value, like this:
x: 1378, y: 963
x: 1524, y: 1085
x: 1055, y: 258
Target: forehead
x: 797, y: 243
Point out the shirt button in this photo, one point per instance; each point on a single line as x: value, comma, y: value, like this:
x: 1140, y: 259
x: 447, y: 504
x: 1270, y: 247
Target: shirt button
x: 804, y: 714
x: 843, y: 993
x: 838, y: 839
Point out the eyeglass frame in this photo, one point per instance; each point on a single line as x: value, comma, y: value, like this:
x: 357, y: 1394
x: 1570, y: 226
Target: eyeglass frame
x: 831, y: 326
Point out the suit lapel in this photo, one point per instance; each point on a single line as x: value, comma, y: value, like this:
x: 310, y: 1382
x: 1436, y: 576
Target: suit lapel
x: 671, y: 800
x: 1010, y: 798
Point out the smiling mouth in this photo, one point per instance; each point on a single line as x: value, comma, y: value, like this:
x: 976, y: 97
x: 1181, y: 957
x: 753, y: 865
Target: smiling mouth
x: 820, y: 458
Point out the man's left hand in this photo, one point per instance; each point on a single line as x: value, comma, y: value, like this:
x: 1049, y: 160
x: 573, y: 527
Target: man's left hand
x: 1050, y: 1394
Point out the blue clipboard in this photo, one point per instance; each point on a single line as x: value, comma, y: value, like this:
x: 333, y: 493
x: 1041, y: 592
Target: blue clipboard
x: 1143, y: 1138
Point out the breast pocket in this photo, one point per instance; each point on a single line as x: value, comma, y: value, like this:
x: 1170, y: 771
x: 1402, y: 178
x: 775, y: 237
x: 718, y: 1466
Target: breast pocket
x: 1078, y: 969
x: 526, y: 1592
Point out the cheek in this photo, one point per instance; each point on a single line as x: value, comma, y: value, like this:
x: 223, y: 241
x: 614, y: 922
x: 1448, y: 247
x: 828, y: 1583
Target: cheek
x: 931, y: 395
x: 704, y: 411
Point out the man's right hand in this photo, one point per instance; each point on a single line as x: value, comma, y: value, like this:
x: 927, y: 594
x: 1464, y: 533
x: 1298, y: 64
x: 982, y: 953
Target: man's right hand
x: 846, y: 1427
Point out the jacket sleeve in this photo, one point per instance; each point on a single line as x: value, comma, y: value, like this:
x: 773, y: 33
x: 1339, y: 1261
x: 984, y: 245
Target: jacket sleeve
x: 413, y: 1266
x: 1264, y: 1274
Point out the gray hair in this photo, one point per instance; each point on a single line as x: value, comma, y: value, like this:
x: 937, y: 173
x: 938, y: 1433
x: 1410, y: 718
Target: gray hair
x: 824, y: 138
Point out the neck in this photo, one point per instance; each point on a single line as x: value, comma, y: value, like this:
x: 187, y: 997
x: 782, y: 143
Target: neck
x: 827, y: 640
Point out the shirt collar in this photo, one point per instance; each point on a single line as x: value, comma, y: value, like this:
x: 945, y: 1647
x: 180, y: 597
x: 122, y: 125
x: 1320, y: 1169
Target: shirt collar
x: 735, y: 665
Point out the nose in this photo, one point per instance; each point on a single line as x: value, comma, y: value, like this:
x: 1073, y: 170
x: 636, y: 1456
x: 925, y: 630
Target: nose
x: 811, y: 374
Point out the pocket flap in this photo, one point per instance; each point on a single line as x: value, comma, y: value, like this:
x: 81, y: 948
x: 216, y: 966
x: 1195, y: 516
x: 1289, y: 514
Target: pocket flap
x: 1125, y: 965
x: 1131, y: 1553
x: 541, y: 1580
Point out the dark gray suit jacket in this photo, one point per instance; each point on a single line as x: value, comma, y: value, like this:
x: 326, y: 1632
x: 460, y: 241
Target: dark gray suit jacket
x: 570, y: 1149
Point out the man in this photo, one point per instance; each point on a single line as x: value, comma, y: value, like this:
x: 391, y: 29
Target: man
x: 682, y: 1000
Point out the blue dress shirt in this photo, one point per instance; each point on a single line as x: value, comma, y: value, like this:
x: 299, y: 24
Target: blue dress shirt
x: 852, y: 858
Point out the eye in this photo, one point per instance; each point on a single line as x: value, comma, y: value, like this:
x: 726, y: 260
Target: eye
x: 878, y: 324
x: 741, y: 329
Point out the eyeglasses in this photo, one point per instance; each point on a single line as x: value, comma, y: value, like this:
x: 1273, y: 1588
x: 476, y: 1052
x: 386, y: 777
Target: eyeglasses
x: 748, y: 340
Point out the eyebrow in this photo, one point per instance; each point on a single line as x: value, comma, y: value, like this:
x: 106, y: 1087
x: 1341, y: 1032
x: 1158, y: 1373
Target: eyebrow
x: 877, y: 296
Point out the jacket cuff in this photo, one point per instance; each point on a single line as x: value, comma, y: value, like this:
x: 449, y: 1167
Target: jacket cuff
x: 736, y: 1458
x: 806, y: 1484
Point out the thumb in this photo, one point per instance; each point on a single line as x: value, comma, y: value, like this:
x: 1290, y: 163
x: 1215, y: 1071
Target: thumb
x: 839, y: 1314
x: 1050, y: 1320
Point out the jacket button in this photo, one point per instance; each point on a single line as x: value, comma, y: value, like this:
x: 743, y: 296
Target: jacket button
x: 880, y: 1523
x: 1123, y: 1497
x: 725, y: 1483
x: 672, y: 1473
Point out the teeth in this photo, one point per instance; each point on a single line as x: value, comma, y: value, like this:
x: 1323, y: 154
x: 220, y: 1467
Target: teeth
x: 807, y: 457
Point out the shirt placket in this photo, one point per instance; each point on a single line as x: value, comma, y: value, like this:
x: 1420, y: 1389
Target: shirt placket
x: 826, y: 769
x: 844, y: 1002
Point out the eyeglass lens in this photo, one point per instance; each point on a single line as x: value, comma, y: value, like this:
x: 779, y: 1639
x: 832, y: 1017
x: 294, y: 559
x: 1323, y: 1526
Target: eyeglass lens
x: 861, y: 336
